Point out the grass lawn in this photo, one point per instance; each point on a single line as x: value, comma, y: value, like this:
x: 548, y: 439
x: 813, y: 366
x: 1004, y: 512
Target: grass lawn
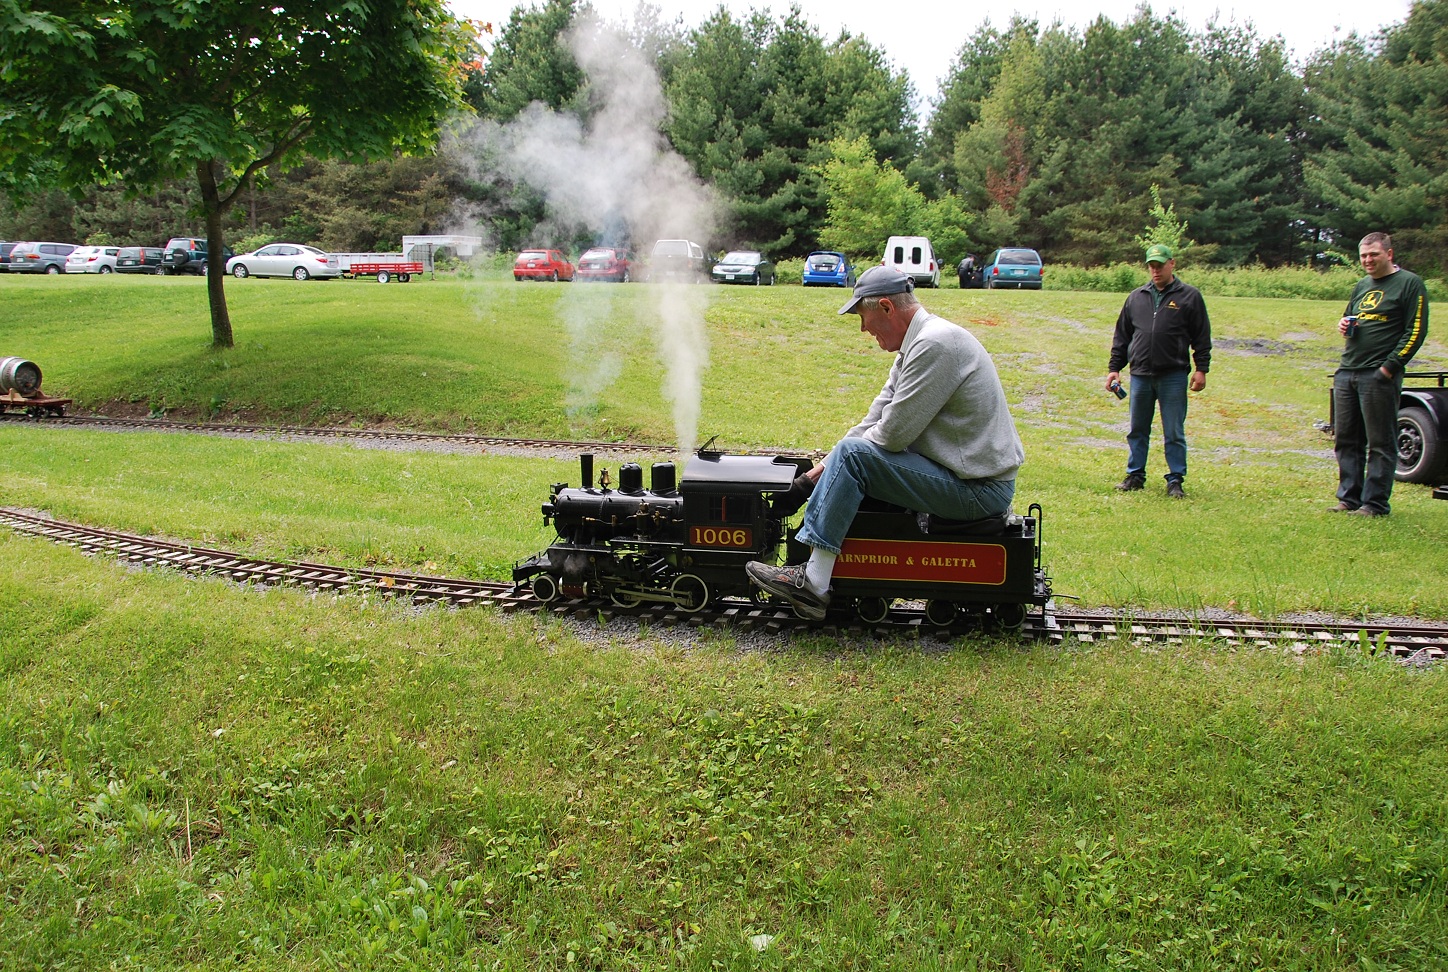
x: 198, y: 775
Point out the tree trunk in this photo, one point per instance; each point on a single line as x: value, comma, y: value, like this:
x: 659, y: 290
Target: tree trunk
x: 215, y: 257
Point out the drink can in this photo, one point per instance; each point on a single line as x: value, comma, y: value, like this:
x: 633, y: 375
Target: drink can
x: 1117, y: 390
x: 1351, y: 326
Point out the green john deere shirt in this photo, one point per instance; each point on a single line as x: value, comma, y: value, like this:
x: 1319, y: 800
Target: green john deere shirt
x: 1392, y: 318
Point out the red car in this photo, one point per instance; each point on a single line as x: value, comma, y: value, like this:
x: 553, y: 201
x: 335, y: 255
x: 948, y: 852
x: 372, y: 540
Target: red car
x: 606, y: 263
x: 542, y: 265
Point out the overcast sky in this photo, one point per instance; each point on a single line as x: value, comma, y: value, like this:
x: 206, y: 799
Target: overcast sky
x: 924, y: 36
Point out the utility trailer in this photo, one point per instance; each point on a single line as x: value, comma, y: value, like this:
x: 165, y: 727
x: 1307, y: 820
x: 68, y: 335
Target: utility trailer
x: 416, y: 257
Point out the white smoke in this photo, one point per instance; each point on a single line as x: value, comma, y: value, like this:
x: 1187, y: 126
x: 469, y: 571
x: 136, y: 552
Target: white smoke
x: 614, y: 169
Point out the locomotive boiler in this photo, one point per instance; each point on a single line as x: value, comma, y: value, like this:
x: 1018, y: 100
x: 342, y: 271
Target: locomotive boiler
x: 684, y: 541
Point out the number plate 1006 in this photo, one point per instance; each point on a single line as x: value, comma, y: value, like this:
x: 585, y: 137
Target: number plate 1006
x: 721, y: 537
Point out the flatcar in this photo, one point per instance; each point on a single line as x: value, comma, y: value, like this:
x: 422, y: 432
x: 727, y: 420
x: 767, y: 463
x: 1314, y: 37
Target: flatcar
x: 684, y: 542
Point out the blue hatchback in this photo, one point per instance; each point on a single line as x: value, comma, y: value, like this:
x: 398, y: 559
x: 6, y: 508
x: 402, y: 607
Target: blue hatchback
x: 825, y: 269
x: 1013, y: 267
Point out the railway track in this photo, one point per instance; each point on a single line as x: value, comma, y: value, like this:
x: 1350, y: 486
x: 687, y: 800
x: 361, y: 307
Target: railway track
x: 455, y: 440
x: 1415, y: 642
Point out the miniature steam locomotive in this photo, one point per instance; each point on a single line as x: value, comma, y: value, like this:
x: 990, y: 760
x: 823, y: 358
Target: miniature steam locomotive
x: 685, y: 541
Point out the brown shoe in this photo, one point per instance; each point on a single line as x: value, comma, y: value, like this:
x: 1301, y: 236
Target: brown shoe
x: 1131, y: 483
x: 1342, y: 508
x: 1364, y: 511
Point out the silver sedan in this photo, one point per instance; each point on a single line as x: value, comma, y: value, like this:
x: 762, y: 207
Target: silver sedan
x: 295, y: 260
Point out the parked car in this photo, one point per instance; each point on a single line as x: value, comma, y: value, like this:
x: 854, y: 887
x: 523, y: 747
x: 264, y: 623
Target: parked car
x: 744, y: 266
x: 915, y: 256
x: 824, y: 268
x: 92, y: 259
x: 295, y: 260
x: 606, y: 263
x: 677, y: 260
x: 39, y: 257
x: 969, y: 272
x: 542, y: 265
x: 187, y: 254
x: 5, y: 248
x: 1014, y: 266
x: 139, y: 259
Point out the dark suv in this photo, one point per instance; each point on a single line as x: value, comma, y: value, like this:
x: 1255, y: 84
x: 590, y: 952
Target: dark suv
x: 678, y: 260
x: 187, y: 254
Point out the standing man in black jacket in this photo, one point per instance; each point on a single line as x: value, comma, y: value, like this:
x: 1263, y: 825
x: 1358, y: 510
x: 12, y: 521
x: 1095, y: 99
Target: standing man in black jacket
x: 1161, y: 326
x: 1384, y: 325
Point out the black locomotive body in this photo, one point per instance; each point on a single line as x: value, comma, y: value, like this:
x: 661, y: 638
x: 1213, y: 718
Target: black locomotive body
x: 686, y: 545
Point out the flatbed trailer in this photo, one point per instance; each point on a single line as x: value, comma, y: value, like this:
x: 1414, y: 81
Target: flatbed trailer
x: 384, y: 272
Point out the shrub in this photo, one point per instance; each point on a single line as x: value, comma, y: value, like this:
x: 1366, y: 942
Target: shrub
x: 789, y: 271
x: 1254, y: 281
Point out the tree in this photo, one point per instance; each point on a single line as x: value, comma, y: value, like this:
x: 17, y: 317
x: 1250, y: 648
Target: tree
x: 1379, y: 140
x: 149, y: 91
x: 871, y: 201
x: 530, y: 63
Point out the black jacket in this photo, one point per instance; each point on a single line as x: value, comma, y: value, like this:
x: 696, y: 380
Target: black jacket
x: 1156, y: 340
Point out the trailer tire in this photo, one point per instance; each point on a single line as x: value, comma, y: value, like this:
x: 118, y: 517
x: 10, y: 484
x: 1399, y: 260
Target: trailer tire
x: 1420, y: 458
x: 404, y: 277
x: 383, y: 276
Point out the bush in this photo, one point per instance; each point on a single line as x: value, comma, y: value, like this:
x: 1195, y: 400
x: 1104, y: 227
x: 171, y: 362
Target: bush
x: 255, y: 242
x: 1254, y: 281
x: 789, y: 271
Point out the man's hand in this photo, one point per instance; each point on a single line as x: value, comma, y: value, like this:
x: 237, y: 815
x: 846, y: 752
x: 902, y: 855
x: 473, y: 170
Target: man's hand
x: 1386, y: 373
x: 789, y: 502
x: 1342, y: 326
x: 1199, y: 380
x: 1113, y: 379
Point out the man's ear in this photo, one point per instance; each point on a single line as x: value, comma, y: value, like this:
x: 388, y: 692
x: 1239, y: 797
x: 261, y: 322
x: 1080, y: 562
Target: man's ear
x: 887, y: 306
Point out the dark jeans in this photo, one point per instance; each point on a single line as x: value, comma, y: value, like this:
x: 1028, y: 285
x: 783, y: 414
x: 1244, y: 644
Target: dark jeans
x: 1365, y: 426
x: 1168, y: 390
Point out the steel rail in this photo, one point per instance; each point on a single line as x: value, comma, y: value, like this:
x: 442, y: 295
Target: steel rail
x: 380, y: 435
x: 1417, y: 642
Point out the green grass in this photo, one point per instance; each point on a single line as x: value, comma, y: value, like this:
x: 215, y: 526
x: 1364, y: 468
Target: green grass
x: 194, y: 774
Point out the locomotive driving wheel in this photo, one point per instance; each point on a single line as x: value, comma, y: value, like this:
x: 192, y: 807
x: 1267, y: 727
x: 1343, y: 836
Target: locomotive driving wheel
x: 624, y: 599
x: 545, y: 588
x: 690, y: 593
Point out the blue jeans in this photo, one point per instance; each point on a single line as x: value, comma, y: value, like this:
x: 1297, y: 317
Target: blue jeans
x: 857, y: 468
x: 1365, y: 427
x: 1147, y: 392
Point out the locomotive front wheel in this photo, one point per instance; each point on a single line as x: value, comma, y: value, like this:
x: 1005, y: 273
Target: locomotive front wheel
x: 545, y: 588
x: 690, y: 593
x: 940, y: 613
x: 1010, y: 617
x: 873, y: 610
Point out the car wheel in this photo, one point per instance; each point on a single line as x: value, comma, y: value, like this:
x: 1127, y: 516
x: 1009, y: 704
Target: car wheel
x: 758, y: 280
x: 1420, y: 453
x: 554, y: 276
x: 105, y: 269
x: 517, y: 279
x: 300, y: 273
x: 52, y: 268
x: 625, y: 278
x: 201, y: 271
x: 240, y: 272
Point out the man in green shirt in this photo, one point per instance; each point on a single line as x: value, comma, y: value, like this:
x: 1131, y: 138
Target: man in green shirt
x: 1385, y: 324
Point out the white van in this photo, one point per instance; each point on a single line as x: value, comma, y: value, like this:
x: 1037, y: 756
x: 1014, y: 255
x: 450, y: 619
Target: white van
x: 913, y: 255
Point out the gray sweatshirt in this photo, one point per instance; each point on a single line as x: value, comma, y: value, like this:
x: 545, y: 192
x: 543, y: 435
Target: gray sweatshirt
x: 944, y: 400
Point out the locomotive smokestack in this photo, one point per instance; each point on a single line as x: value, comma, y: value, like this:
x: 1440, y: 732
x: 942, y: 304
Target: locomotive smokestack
x: 631, y: 478
x: 585, y: 468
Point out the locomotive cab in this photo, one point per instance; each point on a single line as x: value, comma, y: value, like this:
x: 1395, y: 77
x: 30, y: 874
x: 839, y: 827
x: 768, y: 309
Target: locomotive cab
x: 727, y: 516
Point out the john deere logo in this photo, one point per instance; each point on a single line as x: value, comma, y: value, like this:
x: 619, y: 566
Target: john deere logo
x: 1370, y: 300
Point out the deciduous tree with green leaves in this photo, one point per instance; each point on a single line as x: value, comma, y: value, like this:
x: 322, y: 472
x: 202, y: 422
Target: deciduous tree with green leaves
x: 146, y: 91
